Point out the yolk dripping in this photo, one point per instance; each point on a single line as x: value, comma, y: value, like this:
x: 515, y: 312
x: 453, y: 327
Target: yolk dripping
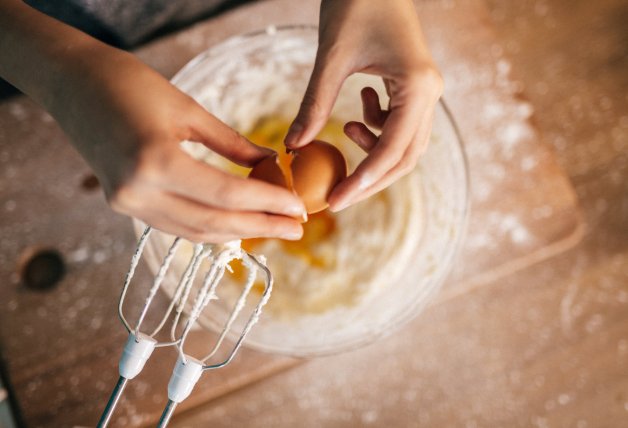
x: 269, y: 132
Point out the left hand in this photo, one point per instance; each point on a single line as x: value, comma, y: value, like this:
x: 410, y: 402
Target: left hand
x: 384, y: 39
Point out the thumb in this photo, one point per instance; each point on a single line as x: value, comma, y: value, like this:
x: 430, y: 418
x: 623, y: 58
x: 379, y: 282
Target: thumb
x: 320, y: 96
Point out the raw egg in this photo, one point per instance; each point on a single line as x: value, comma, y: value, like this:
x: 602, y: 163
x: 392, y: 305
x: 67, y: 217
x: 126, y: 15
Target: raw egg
x: 311, y: 172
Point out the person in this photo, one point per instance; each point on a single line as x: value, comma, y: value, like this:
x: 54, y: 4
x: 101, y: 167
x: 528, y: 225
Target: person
x: 126, y: 120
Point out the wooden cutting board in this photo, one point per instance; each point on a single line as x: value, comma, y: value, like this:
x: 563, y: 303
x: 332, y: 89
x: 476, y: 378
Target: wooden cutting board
x: 61, y: 347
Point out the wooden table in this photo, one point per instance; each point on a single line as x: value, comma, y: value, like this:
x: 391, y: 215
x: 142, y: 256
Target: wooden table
x: 517, y: 337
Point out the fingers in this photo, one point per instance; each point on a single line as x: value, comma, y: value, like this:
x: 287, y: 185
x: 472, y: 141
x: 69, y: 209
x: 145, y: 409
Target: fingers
x: 222, y: 139
x: 210, y: 186
x: 373, y: 114
x: 180, y: 195
x: 402, y: 141
x: 318, y: 101
x: 405, y: 166
x: 398, y: 132
x: 200, y: 223
x: 361, y: 135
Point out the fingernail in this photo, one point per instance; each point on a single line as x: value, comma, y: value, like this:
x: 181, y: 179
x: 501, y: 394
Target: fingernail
x: 339, y: 206
x: 293, y: 134
x: 365, y: 181
x: 296, y: 211
x: 291, y: 236
x: 268, y: 151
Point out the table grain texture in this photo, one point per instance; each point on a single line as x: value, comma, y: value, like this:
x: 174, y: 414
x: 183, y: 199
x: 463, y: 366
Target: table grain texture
x: 531, y: 328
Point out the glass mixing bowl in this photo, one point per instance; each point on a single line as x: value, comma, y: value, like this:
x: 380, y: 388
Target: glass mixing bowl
x: 265, y: 74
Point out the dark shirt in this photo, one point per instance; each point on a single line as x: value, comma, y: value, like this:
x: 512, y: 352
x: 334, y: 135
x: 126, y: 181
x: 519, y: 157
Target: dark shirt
x: 127, y: 23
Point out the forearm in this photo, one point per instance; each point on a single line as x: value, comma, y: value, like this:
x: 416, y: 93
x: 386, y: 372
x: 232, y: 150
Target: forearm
x: 38, y: 53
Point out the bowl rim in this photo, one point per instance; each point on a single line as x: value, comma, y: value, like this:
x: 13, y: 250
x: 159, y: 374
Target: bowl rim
x: 268, y: 30
x: 411, y: 311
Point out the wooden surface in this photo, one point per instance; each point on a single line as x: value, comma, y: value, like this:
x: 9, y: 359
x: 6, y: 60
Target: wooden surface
x: 521, y: 351
x: 543, y: 347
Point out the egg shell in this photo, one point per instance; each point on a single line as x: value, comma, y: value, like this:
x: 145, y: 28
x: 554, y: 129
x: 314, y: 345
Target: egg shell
x: 268, y: 170
x: 316, y: 169
x: 313, y: 172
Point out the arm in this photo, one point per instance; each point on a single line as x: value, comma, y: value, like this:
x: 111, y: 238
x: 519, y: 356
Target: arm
x: 382, y: 38
x: 127, y: 121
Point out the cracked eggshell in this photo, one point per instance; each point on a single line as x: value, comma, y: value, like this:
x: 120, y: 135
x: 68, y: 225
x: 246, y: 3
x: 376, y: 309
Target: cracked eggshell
x: 315, y: 169
x: 268, y: 170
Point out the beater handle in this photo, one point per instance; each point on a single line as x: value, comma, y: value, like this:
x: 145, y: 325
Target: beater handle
x: 113, y: 402
x: 187, y: 371
x: 167, y: 414
x: 137, y: 350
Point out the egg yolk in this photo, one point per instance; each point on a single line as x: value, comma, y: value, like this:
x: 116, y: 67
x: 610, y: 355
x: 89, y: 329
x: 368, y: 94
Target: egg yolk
x: 270, y: 132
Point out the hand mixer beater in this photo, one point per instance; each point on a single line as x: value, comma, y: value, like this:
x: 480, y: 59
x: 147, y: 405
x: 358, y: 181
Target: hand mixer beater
x: 140, y: 345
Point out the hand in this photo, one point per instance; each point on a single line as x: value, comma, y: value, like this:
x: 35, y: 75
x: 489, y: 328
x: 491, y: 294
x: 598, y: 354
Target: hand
x: 382, y: 38
x: 127, y: 121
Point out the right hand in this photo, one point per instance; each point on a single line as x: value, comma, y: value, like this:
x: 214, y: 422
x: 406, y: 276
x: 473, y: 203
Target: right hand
x: 127, y: 121
x: 384, y: 39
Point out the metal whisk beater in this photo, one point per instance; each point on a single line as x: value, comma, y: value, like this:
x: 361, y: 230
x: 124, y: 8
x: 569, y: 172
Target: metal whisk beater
x: 140, y: 345
x: 188, y: 369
